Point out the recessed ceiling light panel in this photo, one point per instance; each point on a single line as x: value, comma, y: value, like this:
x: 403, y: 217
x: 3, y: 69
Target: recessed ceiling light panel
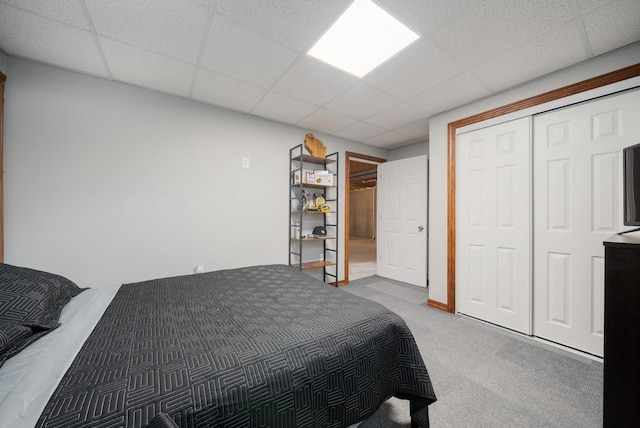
x: 364, y: 37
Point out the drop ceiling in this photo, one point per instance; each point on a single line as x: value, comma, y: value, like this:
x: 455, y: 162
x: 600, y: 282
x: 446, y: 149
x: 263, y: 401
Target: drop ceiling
x: 250, y: 55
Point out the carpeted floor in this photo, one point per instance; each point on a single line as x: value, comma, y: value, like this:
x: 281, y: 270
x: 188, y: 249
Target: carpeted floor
x: 362, y: 258
x: 485, y: 376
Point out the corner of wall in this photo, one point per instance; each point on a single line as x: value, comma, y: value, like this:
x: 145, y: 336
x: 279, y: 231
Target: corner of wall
x: 3, y: 63
x: 415, y: 149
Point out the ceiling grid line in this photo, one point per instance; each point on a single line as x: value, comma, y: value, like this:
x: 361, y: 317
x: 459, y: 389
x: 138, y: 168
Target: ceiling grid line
x: 575, y: 9
x: 251, y: 55
x: 203, y: 41
x: 96, y: 39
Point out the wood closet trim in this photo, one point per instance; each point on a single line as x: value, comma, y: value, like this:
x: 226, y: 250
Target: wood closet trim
x: 565, y: 91
x: 3, y: 78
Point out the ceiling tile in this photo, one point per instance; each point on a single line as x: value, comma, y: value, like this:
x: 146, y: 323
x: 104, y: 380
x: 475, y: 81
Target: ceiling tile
x: 453, y: 92
x: 205, y: 2
x: 420, y: 66
x: 314, y: 81
x: 361, y: 101
x: 424, y: 17
x: 65, y: 11
x: 30, y: 36
x: 360, y: 131
x: 326, y: 121
x: 395, y: 116
x: 140, y: 67
x: 387, y: 139
x: 170, y: 27
x: 223, y: 91
x: 553, y: 51
x: 586, y: 6
x: 244, y: 55
x: 417, y: 129
x: 621, y: 15
x: 283, y: 109
x: 493, y: 27
x: 252, y: 57
x: 296, y: 24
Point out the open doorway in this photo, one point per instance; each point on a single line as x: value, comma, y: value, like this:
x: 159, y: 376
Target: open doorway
x: 361, y: 207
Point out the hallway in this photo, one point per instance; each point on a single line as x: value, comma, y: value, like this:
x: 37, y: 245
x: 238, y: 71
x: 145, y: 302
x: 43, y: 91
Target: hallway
x: 362, y: 258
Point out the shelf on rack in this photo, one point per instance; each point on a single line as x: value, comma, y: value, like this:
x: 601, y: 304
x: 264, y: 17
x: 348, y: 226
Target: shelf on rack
x: 313, y: 212
x: 324, y: 238
x: 314, y: 186
x: 314, y: 265
x: 301, y: 166
x: 313, y: 159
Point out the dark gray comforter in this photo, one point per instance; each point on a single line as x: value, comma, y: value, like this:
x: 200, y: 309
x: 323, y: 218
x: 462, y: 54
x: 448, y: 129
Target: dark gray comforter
x: 263, y: 346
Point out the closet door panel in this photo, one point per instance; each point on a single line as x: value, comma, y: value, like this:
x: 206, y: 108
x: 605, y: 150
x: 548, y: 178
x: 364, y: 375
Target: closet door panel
x: 493, y: 224
x: 577, y: 205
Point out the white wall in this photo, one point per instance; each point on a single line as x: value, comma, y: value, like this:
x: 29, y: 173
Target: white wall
x: 438, y: 148
x: 410, y: 151
x: 108, y: 183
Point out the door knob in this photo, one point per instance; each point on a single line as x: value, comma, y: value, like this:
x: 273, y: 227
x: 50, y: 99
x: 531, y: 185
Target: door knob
x: 420, y: 228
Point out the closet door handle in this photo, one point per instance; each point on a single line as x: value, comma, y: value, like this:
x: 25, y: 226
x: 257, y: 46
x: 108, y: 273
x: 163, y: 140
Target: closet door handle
x: 420, y: 228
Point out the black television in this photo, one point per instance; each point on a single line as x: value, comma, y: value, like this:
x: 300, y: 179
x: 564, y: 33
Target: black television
x: 631, y: 174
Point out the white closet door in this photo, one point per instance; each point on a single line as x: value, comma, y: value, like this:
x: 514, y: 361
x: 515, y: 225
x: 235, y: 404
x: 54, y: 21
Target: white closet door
x: 493, y: 224
x: 577, y: 205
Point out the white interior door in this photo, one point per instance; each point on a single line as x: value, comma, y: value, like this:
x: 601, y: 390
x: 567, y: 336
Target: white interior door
x: 577, y: 205
x: 402, y: 220
x: 493, y: 224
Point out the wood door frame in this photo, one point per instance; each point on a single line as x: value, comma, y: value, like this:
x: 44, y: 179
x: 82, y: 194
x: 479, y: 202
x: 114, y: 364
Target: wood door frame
x: 556, y: 94
x: 348, y: 156
x: 3, y: 78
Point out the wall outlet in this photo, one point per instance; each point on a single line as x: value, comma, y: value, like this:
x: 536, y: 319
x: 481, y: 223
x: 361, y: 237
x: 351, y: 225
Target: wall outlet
x: 199, y: 269
x: 245, y: 162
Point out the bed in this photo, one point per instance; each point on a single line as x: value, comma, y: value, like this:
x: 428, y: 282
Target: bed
x: 261, y: 346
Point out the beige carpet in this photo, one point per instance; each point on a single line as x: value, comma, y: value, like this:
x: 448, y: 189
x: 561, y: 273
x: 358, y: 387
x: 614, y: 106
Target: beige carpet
x: 362, y: 258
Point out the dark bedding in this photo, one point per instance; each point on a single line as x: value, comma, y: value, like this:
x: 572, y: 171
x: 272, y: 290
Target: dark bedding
x: 30, y: 306
x: 264, y: 346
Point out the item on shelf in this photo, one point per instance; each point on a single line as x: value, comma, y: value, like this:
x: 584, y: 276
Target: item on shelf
x: 308, y: 177
x: 320, y: 231
x: 319, y: 177
x: 305, y: 200
x: 325, y: 208
x: 317, y: 201
x: 323, y: 177
x: 314, y: 146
